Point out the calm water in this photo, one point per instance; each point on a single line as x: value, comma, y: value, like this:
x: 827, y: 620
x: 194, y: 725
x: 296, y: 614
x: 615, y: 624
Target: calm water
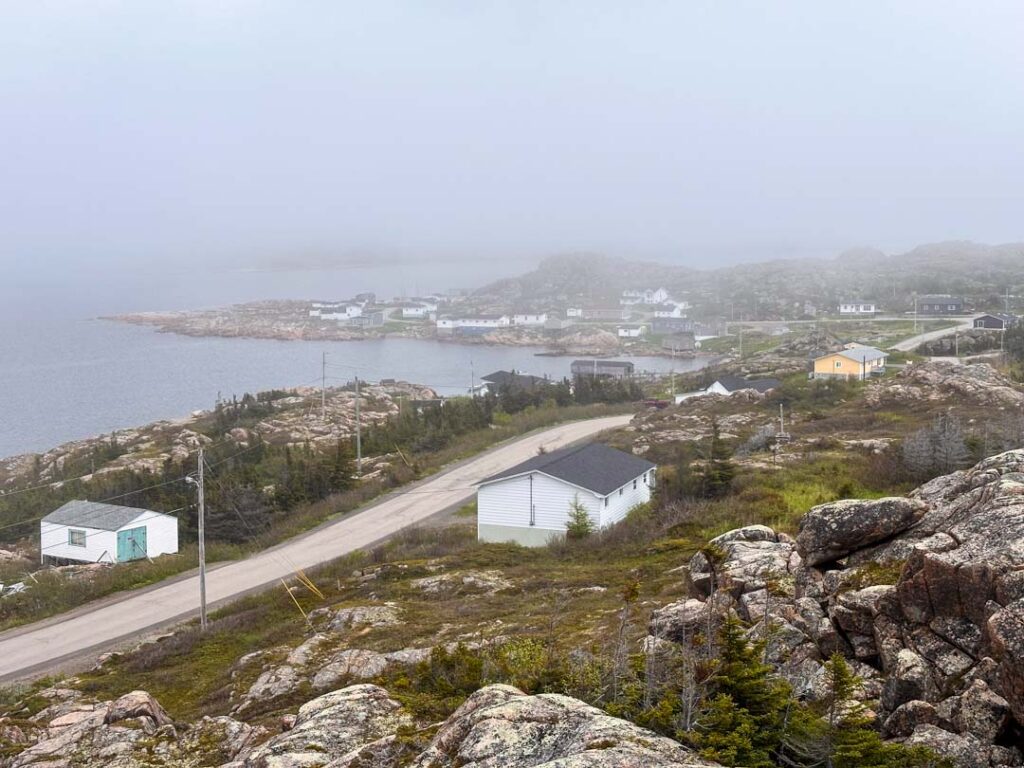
x: 65, y: 375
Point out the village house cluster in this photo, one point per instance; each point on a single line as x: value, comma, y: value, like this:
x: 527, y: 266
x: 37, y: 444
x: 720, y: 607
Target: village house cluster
x: 635, y: 314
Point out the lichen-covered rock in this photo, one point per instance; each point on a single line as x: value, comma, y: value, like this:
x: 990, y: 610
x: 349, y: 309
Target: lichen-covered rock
x: 349, y: 664
x: 273, y: 683
x: 330, y: 727
x: 964, y: 750
x: 751, y: 557
x: 501, y: 726
x: 911, y: 679
x: 907, y: 717
x: 939, y: 380
x: 137, y: 704
x: 831, y: 531
x: 472, y: 581
x: 366, y: 615
x: 978, y: 711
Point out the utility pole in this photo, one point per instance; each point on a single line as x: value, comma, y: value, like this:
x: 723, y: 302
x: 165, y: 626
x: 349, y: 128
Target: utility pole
x: 472, y: 379
x: 672, y: 378
x: 323, y: 388
x: 359, y: 434
x: 200, y: 482
x: 915, y: 313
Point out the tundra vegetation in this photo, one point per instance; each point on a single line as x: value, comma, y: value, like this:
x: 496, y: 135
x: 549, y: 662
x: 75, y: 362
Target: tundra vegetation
x: 574, y: 616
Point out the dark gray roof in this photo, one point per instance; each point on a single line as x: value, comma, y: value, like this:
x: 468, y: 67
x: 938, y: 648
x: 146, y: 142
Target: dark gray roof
x: 736, y: 383
x: 593, y: 466
x: 514, y: 379
x: 93, y: 514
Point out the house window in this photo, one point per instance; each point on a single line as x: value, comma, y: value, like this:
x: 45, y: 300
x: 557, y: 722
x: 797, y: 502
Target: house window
x: 76, y: 538
x: 606, y: 501
x: 839, y: 363
x: 620, y: 491
x: 634, y: 485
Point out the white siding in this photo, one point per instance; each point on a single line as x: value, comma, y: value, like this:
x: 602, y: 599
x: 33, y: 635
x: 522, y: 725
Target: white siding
x: 507, y: 502
x: 99, y: 545
x: 624, y: 499
x: 161, y: 533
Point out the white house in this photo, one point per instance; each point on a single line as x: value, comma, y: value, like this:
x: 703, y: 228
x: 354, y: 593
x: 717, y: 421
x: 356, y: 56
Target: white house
x: 631, y: 331
x: 416, y: 311
x: 857, y: 308
x: 472, y: 323
x: 576, y: 312
x: 529, y: 318
x: 531, y: 502
x: 328, y: 311
x: 644, y: 296
x: 671, y: 309
x: 90, y: 532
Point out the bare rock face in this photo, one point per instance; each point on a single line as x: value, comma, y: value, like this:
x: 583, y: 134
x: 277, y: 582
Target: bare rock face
x: 332, y: 727
x: 128, y: 733
x: 751, y: 557
x: 501, y: 726
x: 939, y: 648
x: 350, y: 664
x: 978, y: 384
x: 137, y: 704
x: 832, y: 531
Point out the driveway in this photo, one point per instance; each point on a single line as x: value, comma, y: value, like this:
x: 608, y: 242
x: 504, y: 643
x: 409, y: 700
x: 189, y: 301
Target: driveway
x: 41, y: 648
x: 909, y: 345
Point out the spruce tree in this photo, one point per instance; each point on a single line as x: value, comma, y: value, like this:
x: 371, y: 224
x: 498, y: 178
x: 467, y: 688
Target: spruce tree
x: 746, y: 722
x: 719, y: 470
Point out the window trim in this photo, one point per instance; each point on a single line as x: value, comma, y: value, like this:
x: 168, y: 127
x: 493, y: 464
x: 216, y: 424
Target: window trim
x: 72, y: 537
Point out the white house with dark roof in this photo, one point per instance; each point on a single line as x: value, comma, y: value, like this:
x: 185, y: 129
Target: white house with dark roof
x: 530, y: 503
x: 857, y: 307
x: 91, y: 532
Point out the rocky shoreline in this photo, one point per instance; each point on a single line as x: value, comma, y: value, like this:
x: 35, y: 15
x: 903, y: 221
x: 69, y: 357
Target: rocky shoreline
x: 289, y: 321
x: 293, y: 418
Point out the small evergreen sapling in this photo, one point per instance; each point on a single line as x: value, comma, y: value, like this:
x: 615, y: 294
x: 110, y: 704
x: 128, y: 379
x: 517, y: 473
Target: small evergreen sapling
x: 580, y: 525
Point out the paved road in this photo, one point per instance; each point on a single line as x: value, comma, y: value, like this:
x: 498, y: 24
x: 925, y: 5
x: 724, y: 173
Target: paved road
x: 39, y: 648
x: 909, y: 345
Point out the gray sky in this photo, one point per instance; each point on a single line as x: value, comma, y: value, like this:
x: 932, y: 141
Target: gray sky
x: 242, y: 130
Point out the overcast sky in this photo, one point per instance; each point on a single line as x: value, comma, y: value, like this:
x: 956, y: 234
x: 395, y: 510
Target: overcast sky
x: 246, y: 131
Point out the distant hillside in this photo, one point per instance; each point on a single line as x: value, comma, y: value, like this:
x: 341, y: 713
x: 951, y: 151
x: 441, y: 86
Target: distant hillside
x: 778, y: 289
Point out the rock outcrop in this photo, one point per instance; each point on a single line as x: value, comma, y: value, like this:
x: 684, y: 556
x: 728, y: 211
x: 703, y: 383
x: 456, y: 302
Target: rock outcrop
x: 925, y: 596
x: 500, y: 725
x: 354, y: 727
x: 943, y: 381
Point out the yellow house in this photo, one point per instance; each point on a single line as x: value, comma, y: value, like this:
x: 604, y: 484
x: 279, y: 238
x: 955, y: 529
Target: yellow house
x: 855, y: 361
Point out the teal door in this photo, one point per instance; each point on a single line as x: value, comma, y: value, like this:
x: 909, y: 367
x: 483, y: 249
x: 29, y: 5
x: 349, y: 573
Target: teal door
x: 131, y: 544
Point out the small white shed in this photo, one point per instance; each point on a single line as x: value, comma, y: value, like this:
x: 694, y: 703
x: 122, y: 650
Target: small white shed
x: 530, y: 503
x: 91, y: 532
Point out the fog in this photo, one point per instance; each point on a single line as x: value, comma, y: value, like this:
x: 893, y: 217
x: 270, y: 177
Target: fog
x: 270, y: 133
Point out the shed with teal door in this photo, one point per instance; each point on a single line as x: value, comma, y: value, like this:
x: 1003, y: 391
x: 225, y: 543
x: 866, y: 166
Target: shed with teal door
x: 91, y: 532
